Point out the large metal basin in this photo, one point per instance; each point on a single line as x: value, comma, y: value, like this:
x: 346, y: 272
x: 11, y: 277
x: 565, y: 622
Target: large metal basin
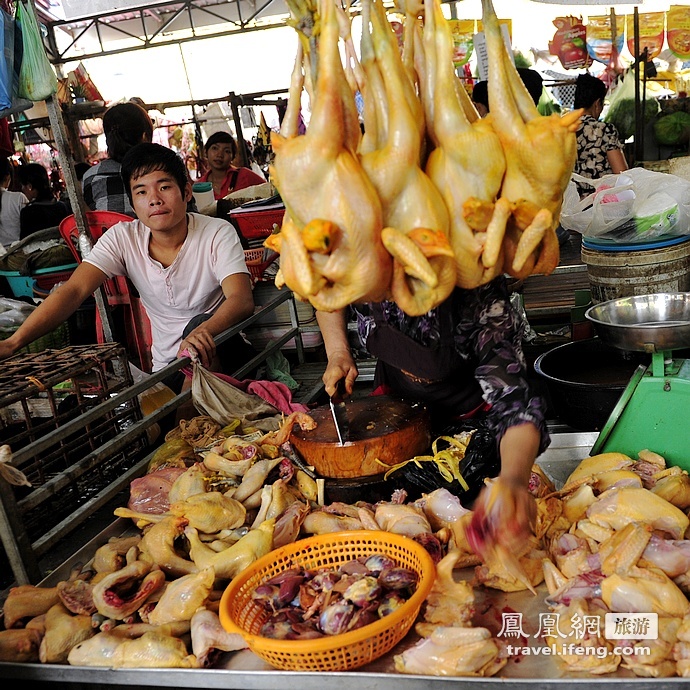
x: 644, y: 323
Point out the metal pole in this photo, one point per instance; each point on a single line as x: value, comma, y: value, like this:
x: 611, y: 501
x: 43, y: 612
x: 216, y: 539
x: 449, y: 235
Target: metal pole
x: 241, y: 146
x: 66, y: 160
x: 639, y: 119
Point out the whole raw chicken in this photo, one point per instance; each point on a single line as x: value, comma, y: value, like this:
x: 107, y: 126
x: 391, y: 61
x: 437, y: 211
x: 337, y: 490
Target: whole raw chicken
x: 540, y: 153
x: 413, y: 209
x: 467, y: 165
x: 321, y: 180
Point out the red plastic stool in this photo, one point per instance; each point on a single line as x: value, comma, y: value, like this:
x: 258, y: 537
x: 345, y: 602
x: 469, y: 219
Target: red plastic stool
x: 119, y: 290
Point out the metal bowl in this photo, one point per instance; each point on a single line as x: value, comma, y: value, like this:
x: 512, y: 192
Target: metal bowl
x: 644, y: 323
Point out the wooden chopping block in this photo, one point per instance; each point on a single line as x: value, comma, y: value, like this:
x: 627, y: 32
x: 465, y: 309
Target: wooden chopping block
x: 381, y: 428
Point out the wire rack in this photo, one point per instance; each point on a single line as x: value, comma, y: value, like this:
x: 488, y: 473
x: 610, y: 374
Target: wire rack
x: 44, y: 392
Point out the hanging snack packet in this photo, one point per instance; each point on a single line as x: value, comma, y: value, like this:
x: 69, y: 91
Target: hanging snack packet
x: 678, y: 31
x: 569, y: 42
x: 462, y: 31
x: 651, y: 33
x: 599, y: 42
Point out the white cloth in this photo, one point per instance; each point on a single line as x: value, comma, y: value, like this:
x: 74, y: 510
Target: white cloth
x: 12, y: 204
x: 191, y: 285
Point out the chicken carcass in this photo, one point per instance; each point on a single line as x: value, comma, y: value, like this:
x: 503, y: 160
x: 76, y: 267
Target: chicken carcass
x: 540, y: 154
x: 320, y: 178
x: 27, y: 601
x: 414, y: 213
x: 182, y: 597
x: 209, y: 638
x: 615, y: 508
x: 19, y: 646
x: 158, y: 546
x: 467, y: 163
x: 228, y: 563
x: 210, y: 512
x: 453, y: 652
x: 63, y: 631
x: 121, y: 593
x: 153, y: 649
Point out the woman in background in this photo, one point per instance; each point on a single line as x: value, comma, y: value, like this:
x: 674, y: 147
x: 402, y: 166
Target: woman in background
x: 599, y: 148
x: 11, y: 204
x: 220, y: 151
x: 43, y: 210
x: 125, y: 125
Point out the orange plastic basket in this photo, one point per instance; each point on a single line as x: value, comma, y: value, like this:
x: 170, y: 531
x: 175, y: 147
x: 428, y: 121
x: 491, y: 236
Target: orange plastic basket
x: 240, y: 614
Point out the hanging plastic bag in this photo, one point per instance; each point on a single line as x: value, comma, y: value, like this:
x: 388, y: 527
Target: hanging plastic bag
x: 7, y: 60
x: 37, y: 80
x: 621, y: 112
x: 14, y: 53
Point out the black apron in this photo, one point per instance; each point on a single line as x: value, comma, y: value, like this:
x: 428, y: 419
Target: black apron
x: 435, y: 375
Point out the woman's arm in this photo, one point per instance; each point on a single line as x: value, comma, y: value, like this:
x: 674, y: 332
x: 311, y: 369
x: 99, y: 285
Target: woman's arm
x: 56, y: 308
x: 238, y: 305
x: 616, y: 158
x: 341, y: 365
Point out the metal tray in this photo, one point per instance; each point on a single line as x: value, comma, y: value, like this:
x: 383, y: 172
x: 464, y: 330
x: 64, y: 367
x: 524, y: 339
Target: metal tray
x: 245, y: 670
x: 644, y: 323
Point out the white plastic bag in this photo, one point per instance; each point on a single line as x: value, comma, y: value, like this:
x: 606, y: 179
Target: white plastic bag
x: 635, y: 205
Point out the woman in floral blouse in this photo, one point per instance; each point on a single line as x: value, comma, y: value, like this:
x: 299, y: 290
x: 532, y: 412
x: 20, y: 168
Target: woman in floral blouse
x: 599, y: 148
x: 462, y: 359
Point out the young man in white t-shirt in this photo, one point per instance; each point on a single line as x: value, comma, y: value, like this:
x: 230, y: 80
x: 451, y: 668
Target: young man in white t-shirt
x: 186, y: 267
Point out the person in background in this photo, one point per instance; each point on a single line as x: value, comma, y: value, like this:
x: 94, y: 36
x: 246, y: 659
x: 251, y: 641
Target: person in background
x: 125, y: 125
x: 463, y: 360
x: 220, y: 150
x: 599, y: 147
x: 43, y: 210
x: 530, y: 78
x: 11, y: 205
x: 189, y: 269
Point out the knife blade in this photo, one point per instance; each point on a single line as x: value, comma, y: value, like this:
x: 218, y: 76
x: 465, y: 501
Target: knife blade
x: 339, y: 413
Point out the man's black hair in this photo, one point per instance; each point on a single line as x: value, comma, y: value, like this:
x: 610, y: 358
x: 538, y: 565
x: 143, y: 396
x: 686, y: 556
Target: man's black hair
x: 588, y: 90
x: 221, y: 138
x: 143, y: 159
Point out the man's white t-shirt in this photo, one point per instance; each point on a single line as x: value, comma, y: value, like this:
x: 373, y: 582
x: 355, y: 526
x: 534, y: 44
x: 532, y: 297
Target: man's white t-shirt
x: 190, y: 286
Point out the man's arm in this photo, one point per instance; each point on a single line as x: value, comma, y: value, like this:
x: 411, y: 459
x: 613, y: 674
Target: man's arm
x: 56, y: 308
x: 341, y: 365
x: 238, y: 305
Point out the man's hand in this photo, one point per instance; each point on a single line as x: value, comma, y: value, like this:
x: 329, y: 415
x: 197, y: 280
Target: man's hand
x: 201, y: 342
x: 341, y: 366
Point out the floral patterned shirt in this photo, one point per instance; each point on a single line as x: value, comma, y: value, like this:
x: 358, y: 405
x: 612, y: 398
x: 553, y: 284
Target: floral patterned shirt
x: 594, y: 139
x: 488, y: 336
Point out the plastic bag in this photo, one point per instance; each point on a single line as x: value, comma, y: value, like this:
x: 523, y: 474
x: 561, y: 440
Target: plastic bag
x: 621, y: 112
x: 636, y: 205
x: 37, y: 80
x: 224, y: 403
